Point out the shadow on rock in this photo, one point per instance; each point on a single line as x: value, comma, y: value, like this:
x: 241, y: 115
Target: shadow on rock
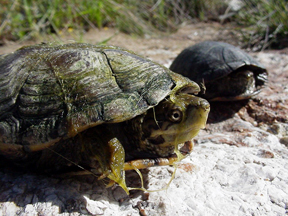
x: 221, y: 111
x: 44, y: 193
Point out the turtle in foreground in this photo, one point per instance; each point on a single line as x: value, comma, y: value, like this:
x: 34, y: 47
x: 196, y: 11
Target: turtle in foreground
x: 101, y: 108
x: 226, y: 72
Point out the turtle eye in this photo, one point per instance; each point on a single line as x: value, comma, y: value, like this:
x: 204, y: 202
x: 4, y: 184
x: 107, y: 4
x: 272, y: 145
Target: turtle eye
x: 176, y: 115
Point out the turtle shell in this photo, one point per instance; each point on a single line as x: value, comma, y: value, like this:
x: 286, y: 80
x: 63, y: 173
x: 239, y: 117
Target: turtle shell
x: 71, y: 103
x: 48, y: 92
x: 208, y: 61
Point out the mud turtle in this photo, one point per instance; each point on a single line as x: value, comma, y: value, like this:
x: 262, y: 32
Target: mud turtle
x: 103, y: 108
x: 227, y: 72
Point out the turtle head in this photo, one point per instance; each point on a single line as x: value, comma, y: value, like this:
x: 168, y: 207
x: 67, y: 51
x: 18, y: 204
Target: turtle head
x: 174, y: 120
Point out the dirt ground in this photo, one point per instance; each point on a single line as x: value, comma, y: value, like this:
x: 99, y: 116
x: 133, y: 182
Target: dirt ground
x: 169, y: 44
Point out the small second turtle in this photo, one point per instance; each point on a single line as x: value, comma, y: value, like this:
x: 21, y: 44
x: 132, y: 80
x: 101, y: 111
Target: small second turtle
x: 226, y: 72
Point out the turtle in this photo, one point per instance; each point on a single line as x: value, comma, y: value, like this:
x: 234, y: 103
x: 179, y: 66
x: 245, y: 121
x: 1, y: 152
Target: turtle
x: 104, y: 109
x: 225, y: 72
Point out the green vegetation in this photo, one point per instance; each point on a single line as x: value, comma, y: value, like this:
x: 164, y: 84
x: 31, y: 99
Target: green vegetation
x: 25, y: 19
x: 28, y: 18
x: 262, y: 22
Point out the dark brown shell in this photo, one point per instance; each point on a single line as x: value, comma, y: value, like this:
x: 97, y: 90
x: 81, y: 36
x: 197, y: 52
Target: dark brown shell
x: 208, y: 61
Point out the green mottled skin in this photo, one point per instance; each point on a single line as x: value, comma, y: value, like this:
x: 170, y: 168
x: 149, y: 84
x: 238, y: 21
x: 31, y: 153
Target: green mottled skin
x: 96, y: 106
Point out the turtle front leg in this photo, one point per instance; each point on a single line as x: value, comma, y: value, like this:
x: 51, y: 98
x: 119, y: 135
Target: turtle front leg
x: 146, y: 163
x: 114, y: 170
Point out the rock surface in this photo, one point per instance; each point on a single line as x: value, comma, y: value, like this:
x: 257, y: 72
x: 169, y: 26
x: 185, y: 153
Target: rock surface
x: 239, y: 165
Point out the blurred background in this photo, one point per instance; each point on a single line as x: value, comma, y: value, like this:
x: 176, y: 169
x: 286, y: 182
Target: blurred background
x: 261, y: 24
